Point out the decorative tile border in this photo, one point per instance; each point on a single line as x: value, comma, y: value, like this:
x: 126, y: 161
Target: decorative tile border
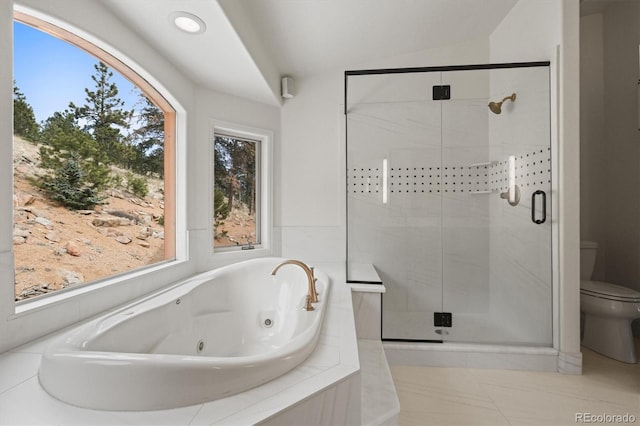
x: 532, y: 169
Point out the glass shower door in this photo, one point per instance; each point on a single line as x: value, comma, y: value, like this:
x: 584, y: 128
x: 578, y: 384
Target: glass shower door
x: 496, y: 210
x: 449, y: 198
x: 394, y: 206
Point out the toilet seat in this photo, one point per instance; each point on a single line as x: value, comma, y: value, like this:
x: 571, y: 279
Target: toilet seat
x: 609, y: 291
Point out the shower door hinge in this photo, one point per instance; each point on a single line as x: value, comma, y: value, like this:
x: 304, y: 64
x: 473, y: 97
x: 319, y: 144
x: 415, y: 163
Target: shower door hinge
x: 442, y: 319
x: 441, y: 93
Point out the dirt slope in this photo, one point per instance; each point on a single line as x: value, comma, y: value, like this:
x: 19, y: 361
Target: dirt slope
x: 57, y: 248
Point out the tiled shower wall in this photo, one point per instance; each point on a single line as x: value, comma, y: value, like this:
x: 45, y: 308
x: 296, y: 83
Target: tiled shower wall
x: 532, y: 169
x: 521, y: 256
x: 442, y: 220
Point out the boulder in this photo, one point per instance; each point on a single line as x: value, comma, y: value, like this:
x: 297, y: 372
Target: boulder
x: 123, y: 239
x: 43, y: 221
x: 38, y: 212
x: 21, y: 199
x: 110, y: 222
x: 19, y: 232
x: 53, y: 237
x: 111, y: 232
x: 73, y: 249
x: 70, y: 277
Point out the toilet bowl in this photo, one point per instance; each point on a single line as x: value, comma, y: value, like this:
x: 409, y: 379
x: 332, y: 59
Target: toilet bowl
x: 608, y: 311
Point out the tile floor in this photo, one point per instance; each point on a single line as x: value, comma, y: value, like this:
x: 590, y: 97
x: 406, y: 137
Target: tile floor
x: 461, y: 396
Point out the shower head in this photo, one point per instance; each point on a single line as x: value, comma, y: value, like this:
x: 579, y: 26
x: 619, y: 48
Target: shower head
x: 496, y: 107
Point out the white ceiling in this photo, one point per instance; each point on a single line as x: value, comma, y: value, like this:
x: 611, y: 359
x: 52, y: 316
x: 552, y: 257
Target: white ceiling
x: 299, y: 37
x: 216, y: 59
x: 305, y: 36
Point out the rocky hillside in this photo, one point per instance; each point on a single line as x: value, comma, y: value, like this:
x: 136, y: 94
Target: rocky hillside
x: 56, y: 248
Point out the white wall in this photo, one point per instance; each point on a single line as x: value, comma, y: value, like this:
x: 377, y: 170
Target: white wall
x: 6, y: 170
x: 621, y: 142
x: 609, y: 145
x: 310, y: 178
x: 210, y: 107
x: 196, y: 108
x: 593, y: 146
x: 531, y: 32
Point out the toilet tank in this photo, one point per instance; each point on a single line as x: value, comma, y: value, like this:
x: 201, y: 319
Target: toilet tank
x: 588, y: 250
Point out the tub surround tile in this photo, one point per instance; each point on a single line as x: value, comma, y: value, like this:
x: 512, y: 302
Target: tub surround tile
x: 316, y: 405
x: 34, y: 323
x: 268, y: 400
x: 29, y: 404
x: 330, y: 407
x: 38, y: 345
x: 363, y: 273
x: 35, y: 347
x: 367, y: 314
x: 15, y: 368
x: 333, y: 364
x: 327, y: 353
x: 379, y: 399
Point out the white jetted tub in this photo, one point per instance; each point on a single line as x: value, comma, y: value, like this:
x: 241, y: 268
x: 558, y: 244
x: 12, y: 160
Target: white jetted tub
x: 216, y: 334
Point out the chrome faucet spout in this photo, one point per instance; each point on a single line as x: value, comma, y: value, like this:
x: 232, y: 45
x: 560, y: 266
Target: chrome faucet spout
x: 313, y: 296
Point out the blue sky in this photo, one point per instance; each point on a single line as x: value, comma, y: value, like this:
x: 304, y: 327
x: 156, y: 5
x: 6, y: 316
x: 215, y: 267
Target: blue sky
x: 51, y: 72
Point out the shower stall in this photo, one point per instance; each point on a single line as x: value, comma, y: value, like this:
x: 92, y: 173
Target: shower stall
x: 449, y: 198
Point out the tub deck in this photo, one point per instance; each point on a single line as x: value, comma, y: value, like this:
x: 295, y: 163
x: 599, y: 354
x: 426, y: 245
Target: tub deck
x: 326, y: 384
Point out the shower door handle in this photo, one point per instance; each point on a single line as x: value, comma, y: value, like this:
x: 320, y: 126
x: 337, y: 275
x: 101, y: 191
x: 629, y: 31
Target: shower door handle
x: 544, y: 207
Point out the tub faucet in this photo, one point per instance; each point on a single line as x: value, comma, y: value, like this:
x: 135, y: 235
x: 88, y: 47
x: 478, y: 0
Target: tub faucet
x: 312, y: 295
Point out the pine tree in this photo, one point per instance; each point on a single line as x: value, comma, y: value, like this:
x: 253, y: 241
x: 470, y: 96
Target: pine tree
x: 234, y: 170
x: 62, y: 139
x: 24, y: 119
x: 220, y: 212
x: 104, y: 114
x: 148, y: 138
x: 69, y: 188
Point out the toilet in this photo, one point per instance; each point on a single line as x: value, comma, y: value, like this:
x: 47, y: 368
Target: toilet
x: 608, y: 311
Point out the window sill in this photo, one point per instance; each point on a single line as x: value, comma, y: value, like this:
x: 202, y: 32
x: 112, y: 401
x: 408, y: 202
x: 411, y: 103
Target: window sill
x: 48, y: 301
x: 225, y: 257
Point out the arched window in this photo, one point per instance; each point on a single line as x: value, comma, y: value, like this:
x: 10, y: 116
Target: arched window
x: 94, y: 164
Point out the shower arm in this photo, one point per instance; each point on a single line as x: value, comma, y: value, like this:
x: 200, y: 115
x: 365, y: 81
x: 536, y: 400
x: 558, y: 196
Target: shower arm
x: 496, y: 107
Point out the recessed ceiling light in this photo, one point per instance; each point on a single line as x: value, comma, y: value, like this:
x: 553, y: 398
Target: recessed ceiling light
x: 187, y: 22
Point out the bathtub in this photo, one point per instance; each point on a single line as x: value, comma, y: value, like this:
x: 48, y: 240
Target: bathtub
x: 213, y: 335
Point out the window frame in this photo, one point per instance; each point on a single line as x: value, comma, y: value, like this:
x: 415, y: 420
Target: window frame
x: 264, y: 216
x: 258, y: 195
x: 175, y: 225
